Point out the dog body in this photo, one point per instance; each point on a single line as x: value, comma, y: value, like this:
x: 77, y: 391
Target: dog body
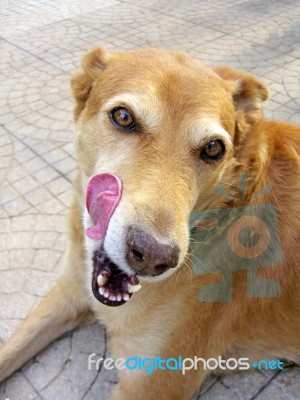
x: 173, y: 131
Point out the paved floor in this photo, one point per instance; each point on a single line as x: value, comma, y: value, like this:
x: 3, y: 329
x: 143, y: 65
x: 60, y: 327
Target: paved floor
x: 41, y: 44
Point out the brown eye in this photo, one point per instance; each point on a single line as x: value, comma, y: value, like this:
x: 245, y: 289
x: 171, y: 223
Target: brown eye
x: 214, y: 150
x: 123, y: 119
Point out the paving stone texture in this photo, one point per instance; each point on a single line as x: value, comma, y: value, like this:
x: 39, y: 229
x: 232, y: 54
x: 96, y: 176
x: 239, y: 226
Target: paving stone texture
x: 41, y: 44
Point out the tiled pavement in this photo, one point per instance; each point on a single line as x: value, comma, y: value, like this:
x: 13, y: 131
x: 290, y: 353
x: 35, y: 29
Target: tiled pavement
x: 41, y: 43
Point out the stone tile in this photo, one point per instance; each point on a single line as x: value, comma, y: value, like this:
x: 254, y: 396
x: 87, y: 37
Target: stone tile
x: 18, y: 240
x: 19, y: 384
x: 41, y: 282
x: 44, y: 240
x: 26, y: 184
x: 16, y: 305
x: 6, y: 153
x: 245, y: 384
x: 64, y: 54
x: 52, y: 204
x: 4, y: 254
x: 17, y: 206
x: 21, y: 258
x: 49, y: 362
x: 272, y: 392
x: 66, y: 165
x: 69, y: 355
x: 4, y: 225
x: 115, y: 21
x: 9, y: 284
x: 45, y: 124
x: 171, y: 35
x: 8, y: 194
x: 289, y: 381
x: 46, y: 175
x: 60, y: 244
x: 51, y: 222
x: 23, y: 223
x: 16, y: 171
x: 209, y: 382
x: 66, y: 197
x: 219, y: 392
x: 58, y: 186
x: 15, y: 20
x: 39, y: 196
x: 46, y: 259
x: 30, y: 83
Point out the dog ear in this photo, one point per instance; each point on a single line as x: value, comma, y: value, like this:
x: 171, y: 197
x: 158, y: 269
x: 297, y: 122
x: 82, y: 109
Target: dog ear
x: 93, y: 63
x: 248, y: 95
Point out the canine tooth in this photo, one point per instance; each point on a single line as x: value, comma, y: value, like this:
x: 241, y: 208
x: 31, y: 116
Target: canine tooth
x: 106, y: 294
x: 119, y: 297
x: 134, y: 288
x: 101, y: 280
x: 125, y: 297
x: 101, y: 291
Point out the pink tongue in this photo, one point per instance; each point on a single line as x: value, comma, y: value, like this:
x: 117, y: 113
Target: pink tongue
x: 102, y: 197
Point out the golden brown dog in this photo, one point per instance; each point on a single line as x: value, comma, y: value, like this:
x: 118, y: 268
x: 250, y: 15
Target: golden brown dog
x: 174, y: 131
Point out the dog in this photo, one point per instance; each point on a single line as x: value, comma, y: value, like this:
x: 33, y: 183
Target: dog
x: 160, y: 137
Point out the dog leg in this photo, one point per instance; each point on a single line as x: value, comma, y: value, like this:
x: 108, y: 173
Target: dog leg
x: 59, y: 312
x: 168, y: 370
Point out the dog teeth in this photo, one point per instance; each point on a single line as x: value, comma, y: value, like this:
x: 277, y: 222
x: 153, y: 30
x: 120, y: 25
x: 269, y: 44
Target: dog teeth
x: 101, y: 291
x: 134, y: 288
x: 101, y: 280
x: 105, y: 292
x: 126, y: 297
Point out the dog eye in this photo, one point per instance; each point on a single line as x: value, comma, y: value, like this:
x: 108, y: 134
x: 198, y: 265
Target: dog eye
x: 123, y: 119
x: 214, y: 150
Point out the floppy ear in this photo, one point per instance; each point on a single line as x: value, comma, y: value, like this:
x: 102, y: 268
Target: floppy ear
x: 248, y: 95
x: 93, y: 63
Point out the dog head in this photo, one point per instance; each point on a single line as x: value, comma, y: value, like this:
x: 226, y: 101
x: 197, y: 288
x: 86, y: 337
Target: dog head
x: 167, y: 126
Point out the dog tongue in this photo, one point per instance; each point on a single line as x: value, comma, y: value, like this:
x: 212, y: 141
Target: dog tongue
x: 102, y: 197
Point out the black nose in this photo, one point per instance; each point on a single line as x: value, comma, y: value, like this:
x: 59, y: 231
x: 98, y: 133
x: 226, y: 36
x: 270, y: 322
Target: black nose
x: 146, y: 255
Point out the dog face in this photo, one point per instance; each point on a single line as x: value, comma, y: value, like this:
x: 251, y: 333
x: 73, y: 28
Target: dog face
x: 167, y: 126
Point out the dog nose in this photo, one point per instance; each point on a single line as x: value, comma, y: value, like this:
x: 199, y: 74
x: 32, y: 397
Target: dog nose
x: 146, y: 255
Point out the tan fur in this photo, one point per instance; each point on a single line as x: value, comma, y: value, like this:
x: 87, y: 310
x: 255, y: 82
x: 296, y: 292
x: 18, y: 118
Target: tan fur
x: 164, y: 181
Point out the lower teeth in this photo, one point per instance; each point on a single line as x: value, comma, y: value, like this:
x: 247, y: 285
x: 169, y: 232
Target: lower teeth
x: 102, y: 280
x: 112, y: 297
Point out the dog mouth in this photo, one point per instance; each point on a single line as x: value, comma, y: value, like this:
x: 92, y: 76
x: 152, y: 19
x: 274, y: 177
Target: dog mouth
x: 111, y: 286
